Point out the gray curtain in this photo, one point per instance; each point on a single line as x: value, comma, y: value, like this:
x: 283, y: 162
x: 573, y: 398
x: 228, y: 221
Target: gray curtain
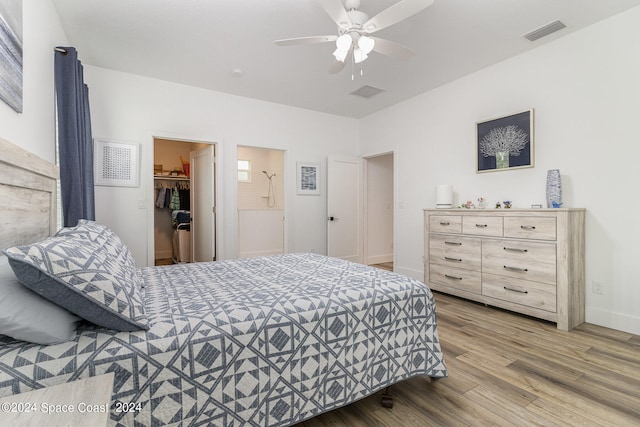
x: 75, y: 147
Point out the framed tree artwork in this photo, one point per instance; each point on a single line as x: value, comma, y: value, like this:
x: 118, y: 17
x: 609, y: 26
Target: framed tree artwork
x: 505, y: 143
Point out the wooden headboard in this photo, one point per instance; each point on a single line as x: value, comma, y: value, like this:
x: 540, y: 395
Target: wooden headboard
x: 27, y: 195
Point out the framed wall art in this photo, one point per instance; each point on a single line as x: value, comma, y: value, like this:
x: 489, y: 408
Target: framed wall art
x: 505, y: 143
x: 308, y: 178
x: 116, y: 164
x: 11, y: 53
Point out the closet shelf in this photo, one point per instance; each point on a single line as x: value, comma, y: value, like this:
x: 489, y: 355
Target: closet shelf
x: 170, y: 178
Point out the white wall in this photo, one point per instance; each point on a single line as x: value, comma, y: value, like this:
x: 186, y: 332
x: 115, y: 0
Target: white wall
x: 34, y: 128
x: 127, y: 107
x: 585, y: 89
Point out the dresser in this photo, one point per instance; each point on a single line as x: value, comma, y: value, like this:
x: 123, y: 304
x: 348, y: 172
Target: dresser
x: 530, y: 261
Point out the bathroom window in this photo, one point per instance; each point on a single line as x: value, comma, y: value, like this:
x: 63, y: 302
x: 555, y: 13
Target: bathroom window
x: 244, y: 170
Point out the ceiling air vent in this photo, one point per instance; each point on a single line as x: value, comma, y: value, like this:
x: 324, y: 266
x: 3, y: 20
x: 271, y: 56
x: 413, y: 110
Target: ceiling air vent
x: 367, y: 91
x: 544, y: 30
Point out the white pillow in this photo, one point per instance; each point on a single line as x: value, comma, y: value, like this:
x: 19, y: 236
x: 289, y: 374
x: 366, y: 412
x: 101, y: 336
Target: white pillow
x: 26, y: 316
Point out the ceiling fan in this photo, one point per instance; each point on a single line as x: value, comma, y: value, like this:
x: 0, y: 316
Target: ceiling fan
x: 355, y: 27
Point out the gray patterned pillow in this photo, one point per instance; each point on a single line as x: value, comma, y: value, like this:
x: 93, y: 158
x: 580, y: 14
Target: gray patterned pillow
x: 104, y: 236
x: 92, y: 279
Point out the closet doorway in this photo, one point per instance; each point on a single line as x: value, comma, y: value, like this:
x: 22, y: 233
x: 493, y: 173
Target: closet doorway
x: 184, y: 199
x: 260, y: 201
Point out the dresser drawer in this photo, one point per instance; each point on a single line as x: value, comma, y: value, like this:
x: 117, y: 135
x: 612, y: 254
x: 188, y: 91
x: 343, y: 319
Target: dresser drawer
x: 530, y: 227
x: 458, y: 278
x: 530, y: 294
x: 519, y: 269
x: 445, y: 223
x: 454, y: 243
x: 520, y: 250
x: 482, y: 225
x: 465, y: 260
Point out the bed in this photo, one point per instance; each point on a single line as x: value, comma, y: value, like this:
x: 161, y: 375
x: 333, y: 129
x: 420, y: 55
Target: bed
x: 266, y: 341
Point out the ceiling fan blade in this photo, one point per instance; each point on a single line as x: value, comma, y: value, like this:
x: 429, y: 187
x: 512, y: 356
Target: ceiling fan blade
x: 394, y: 14
x: 337, y: 12
x: 336, y: 66
x: 392, y: 49
x: 306, y: 40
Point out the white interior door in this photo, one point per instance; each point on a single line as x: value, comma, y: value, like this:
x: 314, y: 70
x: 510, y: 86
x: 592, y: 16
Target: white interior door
x: 344, y: 208
x: 203, y: 205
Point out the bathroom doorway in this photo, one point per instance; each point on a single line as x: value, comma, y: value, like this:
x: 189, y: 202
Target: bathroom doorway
x: 260, y: 201
x: 184, y: 180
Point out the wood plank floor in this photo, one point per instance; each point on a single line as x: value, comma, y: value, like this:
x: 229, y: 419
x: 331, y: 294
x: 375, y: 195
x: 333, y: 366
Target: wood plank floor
x: 506, y: 369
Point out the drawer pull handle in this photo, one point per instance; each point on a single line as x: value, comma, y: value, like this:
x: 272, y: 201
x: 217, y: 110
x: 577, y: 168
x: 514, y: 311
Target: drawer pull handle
x: 445, y: 223
x: 481, y: 225
x: 523, y: 270
x: 515, y: 290
x: 452, y: 243
x: 515, y: 249
x: 453, y: 259
x: 452, y: 277
x: 528, y: 227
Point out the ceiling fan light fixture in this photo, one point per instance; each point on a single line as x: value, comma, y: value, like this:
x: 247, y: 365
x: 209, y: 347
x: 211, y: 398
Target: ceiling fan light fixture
x: 343, y: 43
x: 340, y: 55
x: 366, y: 44
x: 359, y: 55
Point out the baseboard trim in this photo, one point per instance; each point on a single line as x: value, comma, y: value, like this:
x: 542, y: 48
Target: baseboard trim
x: 619, y: 321
x: 416, y: 274
x: 379, y: 259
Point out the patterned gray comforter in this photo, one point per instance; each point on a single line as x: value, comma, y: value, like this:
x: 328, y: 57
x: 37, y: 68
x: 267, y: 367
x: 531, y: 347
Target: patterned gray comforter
x: 266, y: 341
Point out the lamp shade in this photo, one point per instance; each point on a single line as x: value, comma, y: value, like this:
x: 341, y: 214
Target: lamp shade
x: 344, y: 42
x: 366, y: 44
x: 359, y: 55
x: 444, y: 196
x: 340, y: 55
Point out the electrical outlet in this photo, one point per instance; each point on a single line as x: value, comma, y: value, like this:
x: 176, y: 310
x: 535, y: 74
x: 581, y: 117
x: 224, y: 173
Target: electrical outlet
x: 597, y: 287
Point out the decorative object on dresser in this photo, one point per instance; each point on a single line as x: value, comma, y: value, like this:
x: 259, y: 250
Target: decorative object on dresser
x: 505, y: 143
x: 444, y: 196
x: 554, y: 189
x: 526, y: 260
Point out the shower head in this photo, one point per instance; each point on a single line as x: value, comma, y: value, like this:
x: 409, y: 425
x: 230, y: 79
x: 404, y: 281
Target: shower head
x: 268, y: 176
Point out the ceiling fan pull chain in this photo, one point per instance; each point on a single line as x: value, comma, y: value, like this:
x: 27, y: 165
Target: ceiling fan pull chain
x: 352, y: 66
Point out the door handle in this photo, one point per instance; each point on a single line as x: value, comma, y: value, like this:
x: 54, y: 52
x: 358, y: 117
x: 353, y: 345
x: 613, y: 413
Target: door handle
x: 333, y: 218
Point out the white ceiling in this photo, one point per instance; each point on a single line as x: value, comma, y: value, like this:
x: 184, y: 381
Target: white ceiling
x: 200, y: 42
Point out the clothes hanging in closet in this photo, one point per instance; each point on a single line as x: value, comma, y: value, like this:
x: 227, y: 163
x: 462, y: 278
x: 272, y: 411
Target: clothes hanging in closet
x: 176, y: 197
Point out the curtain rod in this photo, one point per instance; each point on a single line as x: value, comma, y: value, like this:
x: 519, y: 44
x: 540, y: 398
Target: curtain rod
x: 61, y: 50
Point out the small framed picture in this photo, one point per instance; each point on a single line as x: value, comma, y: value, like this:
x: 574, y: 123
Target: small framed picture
x: 116, y: 164
x: 505, y: 143
x: 308, y: 178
